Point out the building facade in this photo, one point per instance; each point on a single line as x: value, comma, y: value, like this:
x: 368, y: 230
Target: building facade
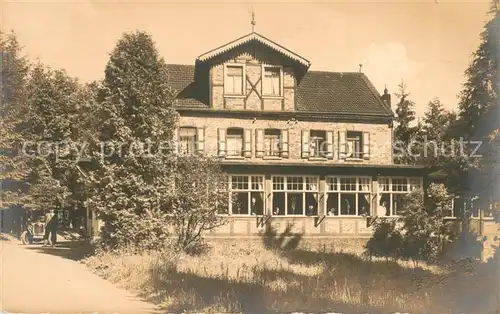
x: 306, y: 150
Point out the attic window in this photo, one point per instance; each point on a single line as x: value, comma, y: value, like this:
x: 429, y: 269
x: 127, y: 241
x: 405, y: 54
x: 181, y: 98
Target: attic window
x: 233, y: 79
x: 272, y: 81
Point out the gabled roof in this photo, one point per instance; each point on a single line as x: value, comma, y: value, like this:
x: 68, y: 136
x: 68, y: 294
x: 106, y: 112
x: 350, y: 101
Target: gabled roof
x: 318, y: 91
x: 339, y: 92
x: 249, y: 38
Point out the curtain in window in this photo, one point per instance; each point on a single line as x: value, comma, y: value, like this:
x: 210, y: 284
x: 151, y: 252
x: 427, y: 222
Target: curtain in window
x: 234, y: 81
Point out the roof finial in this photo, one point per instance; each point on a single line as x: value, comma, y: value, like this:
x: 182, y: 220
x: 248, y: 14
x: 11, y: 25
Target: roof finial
x: 360, y: 66
x: 253, y: 21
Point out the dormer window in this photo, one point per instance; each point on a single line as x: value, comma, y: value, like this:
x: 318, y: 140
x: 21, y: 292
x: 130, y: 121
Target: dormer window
x: 234, y: 85
x: 272, y: 81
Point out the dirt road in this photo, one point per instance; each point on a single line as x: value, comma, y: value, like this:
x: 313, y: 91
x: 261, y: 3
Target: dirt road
x: 38, y: 281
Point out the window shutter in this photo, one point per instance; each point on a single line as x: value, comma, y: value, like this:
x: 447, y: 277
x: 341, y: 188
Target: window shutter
x: 247, y: 144
x: 329, y: 144
x: 342, y: 144
x: 366, y: 145
x: 221, y: 139
x: 305, y: 143
x: 284, y: 143
x: 200, y: 140
x: 259, y: 143
x: 175, y: 141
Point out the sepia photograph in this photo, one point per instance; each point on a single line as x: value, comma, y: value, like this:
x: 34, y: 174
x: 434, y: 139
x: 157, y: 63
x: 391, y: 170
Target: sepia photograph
x: 250, y: 157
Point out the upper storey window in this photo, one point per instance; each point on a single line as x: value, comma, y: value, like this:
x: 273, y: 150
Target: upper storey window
x: 233, y: 79
x: 272, y: 81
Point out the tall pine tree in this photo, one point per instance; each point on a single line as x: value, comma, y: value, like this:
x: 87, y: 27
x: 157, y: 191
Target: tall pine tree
x: 130, y: 190
x: 406, y: 130
x: 479, y: 110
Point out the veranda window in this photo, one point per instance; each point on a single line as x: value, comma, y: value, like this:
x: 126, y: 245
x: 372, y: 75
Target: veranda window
x: 247, y: 195
x: 348, y: 196
x: 295, y: 195
x: 392, y: 192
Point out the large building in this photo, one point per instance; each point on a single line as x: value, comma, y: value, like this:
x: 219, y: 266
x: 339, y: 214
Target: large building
x: 311, y: 150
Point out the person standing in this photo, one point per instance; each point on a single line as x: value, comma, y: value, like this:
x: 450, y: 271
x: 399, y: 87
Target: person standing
x: 54, y: 224
x: 48, y: 227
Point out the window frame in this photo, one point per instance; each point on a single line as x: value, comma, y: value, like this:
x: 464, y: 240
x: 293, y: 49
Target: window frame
x: 357, y: 192
x: 358, y: 154
x: 243, y: 80
x: 249, y: 191
x: 242, y: 152
x: 195, y: 139
x: 391, y: 190
x: 281, y: 87
x: 323, y: 150
x: 302, y: 191
x: 280, y: 144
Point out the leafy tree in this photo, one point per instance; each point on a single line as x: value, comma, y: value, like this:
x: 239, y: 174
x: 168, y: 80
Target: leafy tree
x: 14, y: 68
x: 51, y: 132
x: 201, y: 194
x: 130, y: 190
x: 422, y: 231
x: 386, y: 240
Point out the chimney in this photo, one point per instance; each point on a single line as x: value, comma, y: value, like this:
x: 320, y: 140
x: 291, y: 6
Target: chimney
x: 386, y: 97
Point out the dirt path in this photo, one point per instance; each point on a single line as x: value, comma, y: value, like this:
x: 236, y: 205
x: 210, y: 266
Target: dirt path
x: 34, y: 281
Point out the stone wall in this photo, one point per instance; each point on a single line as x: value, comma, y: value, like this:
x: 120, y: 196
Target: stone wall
x: 380, y: 137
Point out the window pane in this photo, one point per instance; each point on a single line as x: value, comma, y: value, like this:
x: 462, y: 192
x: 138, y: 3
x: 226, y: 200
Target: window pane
x: 233, y: 70
x: 187, y: 140
x: 240, y: 203
x: 295, y: 205
x: 332, y: 203
x: 239, y: 183
x: 278, y: 183
x: 347, y: 204
x: 295, y: 183
x: 364, y: 184
x: 317, y: 143
x: 271, y: 83
x: 348, y: 184
x: 272, y: 142
x: 234, y: 80
x: 384, y: 208
x: 257, y: 183
x: 400, y: 185
x: 397, y: 204
x: 312, y: 184
x: 238, y: 85
x: 257, y: 203
x: 354, y: 146
x: 332, y: 184
x: 311, y: 204
x: 383, y: 184
x: 234, y: 142
x: 278, y: 203
x: 364, y: 204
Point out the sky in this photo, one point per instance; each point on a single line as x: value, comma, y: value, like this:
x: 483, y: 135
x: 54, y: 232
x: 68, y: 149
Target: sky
x: 426, y: 44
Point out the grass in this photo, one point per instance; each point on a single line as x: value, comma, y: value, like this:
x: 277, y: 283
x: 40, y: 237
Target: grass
x: 239, y: 277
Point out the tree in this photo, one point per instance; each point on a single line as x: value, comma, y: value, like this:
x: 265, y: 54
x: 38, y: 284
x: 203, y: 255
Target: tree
x: 130, y: 177
x: 51, y: 134
x: 423, y: 231
x: 14, y: 68
x: 201, y: 192
x: 404, y: 131
x: 479, y: 114
x: 441, y: 150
